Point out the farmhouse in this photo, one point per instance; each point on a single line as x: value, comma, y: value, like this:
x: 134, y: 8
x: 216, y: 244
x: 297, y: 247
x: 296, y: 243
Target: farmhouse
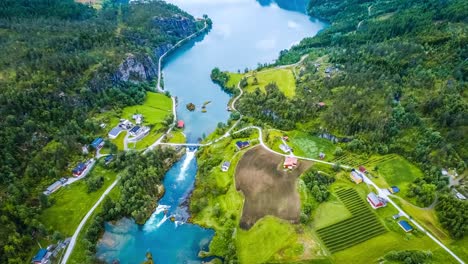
x: 405, y: 226
x: 375, y: 201
x: 114, y: 133
x: 290, y: 163
x: 242, y: 144
x: 141, y: 133
x: 78, y: 170
x: 355, y: 177
x: 135, y: 130
x: 225, y: 166
x: 180, y: 124
x: 97, y: 143
x: 285, y: 148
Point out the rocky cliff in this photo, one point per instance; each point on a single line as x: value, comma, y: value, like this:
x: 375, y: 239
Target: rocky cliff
x: 144, y: 67
x: 177, y: 25
x: 136, y: 69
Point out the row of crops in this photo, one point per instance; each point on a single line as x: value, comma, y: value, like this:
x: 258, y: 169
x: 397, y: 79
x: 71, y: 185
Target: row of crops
x: 361, y: 226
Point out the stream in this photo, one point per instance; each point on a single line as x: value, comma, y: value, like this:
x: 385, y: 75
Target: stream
x: 244, y: 33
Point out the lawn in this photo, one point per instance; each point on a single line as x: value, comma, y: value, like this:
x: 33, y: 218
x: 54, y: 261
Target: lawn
x: 147, y: 141
x: 397, y: 171
x: 234, y: 79
x: 329, y: 213
x: 73, y: 202
x: 264, y: 239
x: 310, y: 146
x: 119, y: 141
x: 284, y: 79
x: 78, y: 255
x: 176, y: 137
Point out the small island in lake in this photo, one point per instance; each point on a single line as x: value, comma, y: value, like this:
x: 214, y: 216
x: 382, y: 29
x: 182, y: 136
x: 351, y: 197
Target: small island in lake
x: 190, y: 107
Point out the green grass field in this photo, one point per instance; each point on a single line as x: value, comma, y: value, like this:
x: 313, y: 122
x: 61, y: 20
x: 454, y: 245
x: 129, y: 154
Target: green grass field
x: 73, y: 202
x: 284, y: 78
x: 310, y: 146
x: 329, y: 213
x: 176, y: 137
x: 264, y: 239
x: 78, y: 255
x: 361, y: 226
x: 234, y: 79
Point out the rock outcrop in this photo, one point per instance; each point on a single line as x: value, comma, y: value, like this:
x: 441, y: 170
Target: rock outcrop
x: 177, y: 25
x: 136, y: 69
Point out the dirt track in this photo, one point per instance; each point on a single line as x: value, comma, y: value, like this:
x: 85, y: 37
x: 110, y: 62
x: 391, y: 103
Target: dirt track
x: 268, y: 189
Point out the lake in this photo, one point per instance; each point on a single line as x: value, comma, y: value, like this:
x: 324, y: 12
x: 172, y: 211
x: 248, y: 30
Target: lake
x: 244, y: 33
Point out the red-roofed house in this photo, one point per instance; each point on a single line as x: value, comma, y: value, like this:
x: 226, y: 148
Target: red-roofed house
x: 290, y: 163
x: 180, y: 124
x: 321, y: 104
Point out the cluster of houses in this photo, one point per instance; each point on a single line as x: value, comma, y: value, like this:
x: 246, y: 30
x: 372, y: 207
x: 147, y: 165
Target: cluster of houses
x: 46, y: 255
x: 137, y: 131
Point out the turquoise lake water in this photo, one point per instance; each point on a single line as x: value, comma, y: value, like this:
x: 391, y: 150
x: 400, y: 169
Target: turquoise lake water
x: 244, y: 33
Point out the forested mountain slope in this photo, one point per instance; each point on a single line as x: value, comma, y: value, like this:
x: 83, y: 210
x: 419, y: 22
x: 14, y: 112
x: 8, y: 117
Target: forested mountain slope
x: 398, y: 80
x: 62, y: 61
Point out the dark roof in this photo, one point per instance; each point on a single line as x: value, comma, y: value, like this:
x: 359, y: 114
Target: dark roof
x: 405, y: 225
x: 107, y: 158
x: 242, y: 144
x: 97, y: 142
x: 80, y: 167
x: 40, y: 255
x: 134, y: 129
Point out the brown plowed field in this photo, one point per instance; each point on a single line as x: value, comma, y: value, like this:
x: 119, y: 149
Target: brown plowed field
x: 268, y: 189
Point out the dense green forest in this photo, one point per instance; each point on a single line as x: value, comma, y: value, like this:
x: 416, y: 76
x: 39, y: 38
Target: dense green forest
x: 58, y: 67
x: 396, y: 83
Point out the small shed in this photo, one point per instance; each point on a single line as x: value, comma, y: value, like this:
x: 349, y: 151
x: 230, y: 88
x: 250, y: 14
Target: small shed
x: 40, y: 255
x: 321, y: 155
x: 355, y: 177
x: 242, y: 144
x: 225, y: 166
x: 394, y: 189
x: 180, y: 124
x: 290, y: 162
x: 321, y: 104
x: 405, y: 226
x: 362, y: 169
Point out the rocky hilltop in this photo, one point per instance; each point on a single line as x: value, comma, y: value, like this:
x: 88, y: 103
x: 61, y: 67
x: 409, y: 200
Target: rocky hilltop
x: 136, y: 68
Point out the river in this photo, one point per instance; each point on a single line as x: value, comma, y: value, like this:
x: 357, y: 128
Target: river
x: 244, y: 33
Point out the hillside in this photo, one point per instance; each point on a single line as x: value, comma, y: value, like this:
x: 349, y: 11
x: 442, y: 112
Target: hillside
x: 63, y: 62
